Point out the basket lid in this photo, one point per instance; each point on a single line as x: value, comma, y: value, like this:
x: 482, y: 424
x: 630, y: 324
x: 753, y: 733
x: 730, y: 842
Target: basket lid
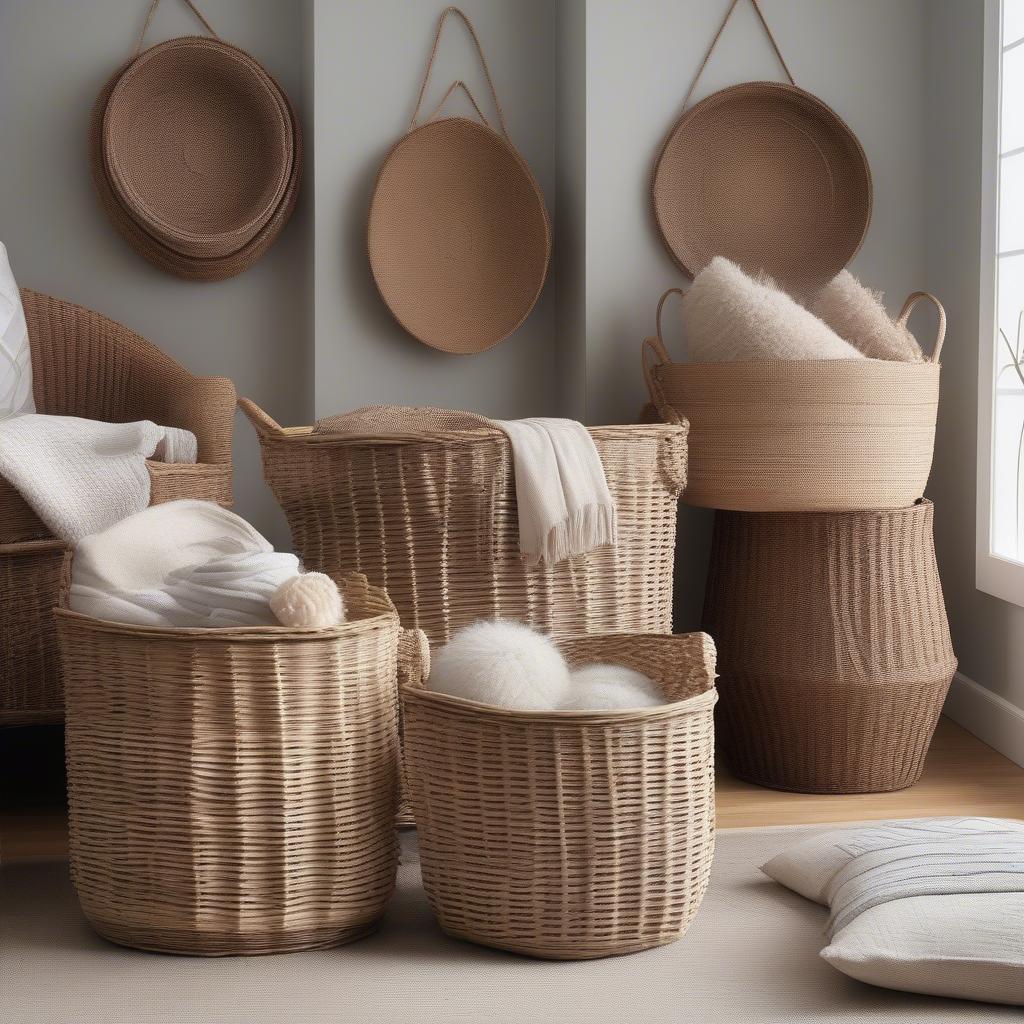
x: 765, y: 174
x: 458, y: 236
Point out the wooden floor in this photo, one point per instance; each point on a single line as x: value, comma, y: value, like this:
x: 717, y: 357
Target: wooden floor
x: 963, y: 776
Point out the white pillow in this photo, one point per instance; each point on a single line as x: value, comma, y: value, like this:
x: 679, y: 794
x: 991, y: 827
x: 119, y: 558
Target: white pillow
x: 928, y: 905
x: 15, y: 356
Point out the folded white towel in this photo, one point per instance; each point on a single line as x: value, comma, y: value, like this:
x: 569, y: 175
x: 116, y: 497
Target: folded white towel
x: 81, y: 476
x: 565, y: 506
x: 728, y: 316
x: 184, y: 563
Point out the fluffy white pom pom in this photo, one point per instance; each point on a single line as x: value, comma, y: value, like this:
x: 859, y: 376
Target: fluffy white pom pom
x: 606, y: 687
x: 502, y: 663
x: 310, y: 600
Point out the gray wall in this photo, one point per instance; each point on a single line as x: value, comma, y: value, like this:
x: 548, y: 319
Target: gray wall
x: 55, y: 56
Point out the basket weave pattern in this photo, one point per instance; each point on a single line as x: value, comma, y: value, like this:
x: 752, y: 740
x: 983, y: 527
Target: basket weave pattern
x: 834, y: 648
x: 569, y: 835
x: 432, y: 518
x: 86, y: 365
x: 233, y: 791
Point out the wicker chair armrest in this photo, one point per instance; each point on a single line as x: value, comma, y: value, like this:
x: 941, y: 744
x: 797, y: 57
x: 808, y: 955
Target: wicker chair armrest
x: 206, y: 406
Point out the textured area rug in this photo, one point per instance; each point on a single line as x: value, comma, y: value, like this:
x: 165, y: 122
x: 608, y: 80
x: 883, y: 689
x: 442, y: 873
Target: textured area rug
x: 751, y: 957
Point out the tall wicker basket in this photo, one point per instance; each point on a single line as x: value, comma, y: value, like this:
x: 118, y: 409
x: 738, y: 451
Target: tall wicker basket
x: 233, y: 791
x: 431, y: 516
x: 570, y: 835
x: 834, y: 649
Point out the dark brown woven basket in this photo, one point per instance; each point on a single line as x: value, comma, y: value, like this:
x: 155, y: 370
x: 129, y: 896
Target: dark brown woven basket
x: 833, y: 647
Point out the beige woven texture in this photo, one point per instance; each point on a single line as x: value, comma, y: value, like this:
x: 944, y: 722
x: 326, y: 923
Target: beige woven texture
x: 86, y: 365
x: 458, y: 234
x: 766, y: 175
x: 431, y: 516
x: 196, y: 155
x: 802, y: 435
x: 570, y: 835
x: 833, y: 647
x: 234, y: 790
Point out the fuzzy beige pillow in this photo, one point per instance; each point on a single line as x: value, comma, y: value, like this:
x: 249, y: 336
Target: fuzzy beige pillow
x: 856, y: 313
x: 731, y: 317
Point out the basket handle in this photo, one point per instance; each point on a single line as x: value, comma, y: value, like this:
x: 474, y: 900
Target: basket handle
x: 656, y: 347
x: 265, y: 425
x: 483, y: 63
x: 149, y: 18
x: 413, y: 658
x: 940, y: 335
x: 714, y: 42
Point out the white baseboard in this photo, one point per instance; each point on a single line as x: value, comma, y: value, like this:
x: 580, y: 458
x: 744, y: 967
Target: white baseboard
x: 993, y: 719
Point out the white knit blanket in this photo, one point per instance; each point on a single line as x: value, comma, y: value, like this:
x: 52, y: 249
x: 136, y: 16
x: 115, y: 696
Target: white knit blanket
x: 81, y: 476
x: 565, y: 506
x: 183, y: 563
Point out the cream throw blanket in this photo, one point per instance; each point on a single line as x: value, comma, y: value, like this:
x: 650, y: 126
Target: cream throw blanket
x: 81, y: 476
x: 565, y: 506
x: 183, y: 563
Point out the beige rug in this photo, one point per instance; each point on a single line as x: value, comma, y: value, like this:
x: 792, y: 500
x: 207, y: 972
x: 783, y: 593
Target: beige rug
x: 751, y: 957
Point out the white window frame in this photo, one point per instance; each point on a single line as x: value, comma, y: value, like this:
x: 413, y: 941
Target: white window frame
x: 1001, y: 577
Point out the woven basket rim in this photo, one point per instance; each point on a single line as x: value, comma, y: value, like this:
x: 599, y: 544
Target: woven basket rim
x: 268, y: 427
x: 520, y: 160
x: 250, y: 634
x: 418, y: 694
x: 162, y: 231
x: 762, y: 86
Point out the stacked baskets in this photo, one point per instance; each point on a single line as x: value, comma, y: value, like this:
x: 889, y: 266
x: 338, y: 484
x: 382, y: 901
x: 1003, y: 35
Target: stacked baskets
x: 234, y: 790
x: 823, y: 594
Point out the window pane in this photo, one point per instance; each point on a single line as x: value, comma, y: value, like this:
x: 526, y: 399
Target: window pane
x: 1008, y: 433
x: 1011, y: 128
x: 1011, y: 203
x: 1013, y: 21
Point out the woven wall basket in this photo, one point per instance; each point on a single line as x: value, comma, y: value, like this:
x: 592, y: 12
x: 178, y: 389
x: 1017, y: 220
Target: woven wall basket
x: 570, y: 835
x: 458, y: 234
x: 233, y: 790
x: 432, y: 517
x: 196, y: 155
x: 765, y: 174
x: 802, y: 435
x: 833, y: 647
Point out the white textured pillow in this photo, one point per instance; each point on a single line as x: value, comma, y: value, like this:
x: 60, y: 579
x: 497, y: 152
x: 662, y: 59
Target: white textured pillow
x: 15, y: 355
x: 927, y: 905
x: 728, y: 316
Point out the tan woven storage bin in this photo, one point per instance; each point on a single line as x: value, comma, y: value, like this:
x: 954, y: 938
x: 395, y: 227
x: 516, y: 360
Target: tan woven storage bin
x: 233, y: 790
x: 788, y: 435
x: 833, y: 647
x: 570, y: 835
x: 431, y: 517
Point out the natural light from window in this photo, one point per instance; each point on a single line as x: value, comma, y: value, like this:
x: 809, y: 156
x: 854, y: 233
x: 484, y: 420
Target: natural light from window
x: 1007, y: 538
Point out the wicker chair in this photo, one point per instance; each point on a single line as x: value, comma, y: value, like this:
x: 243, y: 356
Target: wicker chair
x: 86, y: 365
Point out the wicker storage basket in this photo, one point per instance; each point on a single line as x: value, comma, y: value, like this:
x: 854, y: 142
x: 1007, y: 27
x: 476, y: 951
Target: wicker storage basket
x: 233, y: 790
x: 432, y: 518
x: 833, y: 646
x: 788, y: 435
x: 570, y: 835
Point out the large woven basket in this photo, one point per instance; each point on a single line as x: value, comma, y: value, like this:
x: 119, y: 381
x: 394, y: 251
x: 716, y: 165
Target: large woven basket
x: 570, y: 835
x: 233, y: 790
x: 802, y: 435
x: 833, y: 647
x: 432, y: 517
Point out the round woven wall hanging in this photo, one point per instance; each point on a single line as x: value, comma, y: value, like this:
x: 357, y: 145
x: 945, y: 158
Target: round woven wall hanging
x: 765, y: 174
x: 458, y: 235
x: 196, y: 155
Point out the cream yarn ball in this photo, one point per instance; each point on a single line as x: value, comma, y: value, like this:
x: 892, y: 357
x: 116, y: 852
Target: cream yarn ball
x: 310, y: 600
x: 610, y: 687
x: 502, y: 663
